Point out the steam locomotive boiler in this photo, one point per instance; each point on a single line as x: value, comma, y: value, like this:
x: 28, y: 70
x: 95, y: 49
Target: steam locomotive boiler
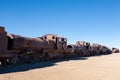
x: 27, y: 49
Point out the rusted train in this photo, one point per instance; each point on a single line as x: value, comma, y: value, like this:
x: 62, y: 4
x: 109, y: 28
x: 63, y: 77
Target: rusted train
x: 15, y: 49
x: 115, y: 50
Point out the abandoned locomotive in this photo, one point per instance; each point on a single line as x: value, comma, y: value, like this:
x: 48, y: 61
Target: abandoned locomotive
x: 15, y: 49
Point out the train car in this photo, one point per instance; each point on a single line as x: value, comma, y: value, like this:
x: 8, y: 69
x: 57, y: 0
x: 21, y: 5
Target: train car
x: 87, y: 48
x: 100, y: 49
x: 105, y: 50
x: 81, y: 48
x: 46, y: 47
x: 115, y: 50
x: 15, y: 49
x: 76, y: 50
x: 96, y: 48
x: 58, y: 46
x: 27, y: 49
x: 18, y: 49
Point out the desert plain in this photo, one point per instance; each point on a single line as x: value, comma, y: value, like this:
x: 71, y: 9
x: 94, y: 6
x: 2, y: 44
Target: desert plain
x: 104, y: 67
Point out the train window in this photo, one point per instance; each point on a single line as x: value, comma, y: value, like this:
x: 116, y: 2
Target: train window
x: 62, y: 39
x: 65, y: 40
x: 59, y: 39
x: 45, y: 37
x: 87, y: 44
x: 53, y: 37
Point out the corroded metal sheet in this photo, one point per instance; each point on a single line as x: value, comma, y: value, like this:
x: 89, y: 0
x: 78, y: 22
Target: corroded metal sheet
x: 21, y: 43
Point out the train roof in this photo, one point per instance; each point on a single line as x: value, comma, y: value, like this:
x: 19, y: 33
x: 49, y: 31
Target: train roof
x: 53, y: 35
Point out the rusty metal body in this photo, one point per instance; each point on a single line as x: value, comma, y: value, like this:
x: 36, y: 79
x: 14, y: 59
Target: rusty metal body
x: 18, y: 43
x: 58, y: 45
x: 5, y: 55
x: 86, y: 47
x: 76, y: 49
x: 96, y: 48
x: 16, y: 49
x: 115, y: 50
x: 100, y: 49
x: 105, y: 50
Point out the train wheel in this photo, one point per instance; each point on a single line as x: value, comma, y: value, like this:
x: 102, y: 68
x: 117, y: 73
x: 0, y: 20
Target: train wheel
x: 4, y: 62
x: 14, y: 60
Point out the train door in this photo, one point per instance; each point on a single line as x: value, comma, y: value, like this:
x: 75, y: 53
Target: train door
x: 61, y: 43
x: 58, y: 43
x: 9, y: 43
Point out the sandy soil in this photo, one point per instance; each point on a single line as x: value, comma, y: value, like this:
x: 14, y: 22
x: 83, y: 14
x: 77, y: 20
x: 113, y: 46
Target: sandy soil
x: 105, y: 67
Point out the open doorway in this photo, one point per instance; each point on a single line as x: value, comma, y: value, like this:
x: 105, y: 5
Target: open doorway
x: 10, y: 43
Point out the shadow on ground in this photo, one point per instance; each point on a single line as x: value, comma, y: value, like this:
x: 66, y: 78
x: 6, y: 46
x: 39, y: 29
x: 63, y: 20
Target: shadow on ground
x: 26, y: 67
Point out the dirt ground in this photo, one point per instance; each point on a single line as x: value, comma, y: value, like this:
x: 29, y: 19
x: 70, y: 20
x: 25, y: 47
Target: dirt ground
x: 105, y: 67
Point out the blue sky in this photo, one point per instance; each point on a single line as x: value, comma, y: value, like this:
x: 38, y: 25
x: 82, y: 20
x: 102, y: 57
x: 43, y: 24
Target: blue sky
x: 95, y: 21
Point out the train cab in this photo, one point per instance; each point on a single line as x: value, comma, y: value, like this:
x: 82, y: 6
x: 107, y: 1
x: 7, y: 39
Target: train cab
x: 59, y: 42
